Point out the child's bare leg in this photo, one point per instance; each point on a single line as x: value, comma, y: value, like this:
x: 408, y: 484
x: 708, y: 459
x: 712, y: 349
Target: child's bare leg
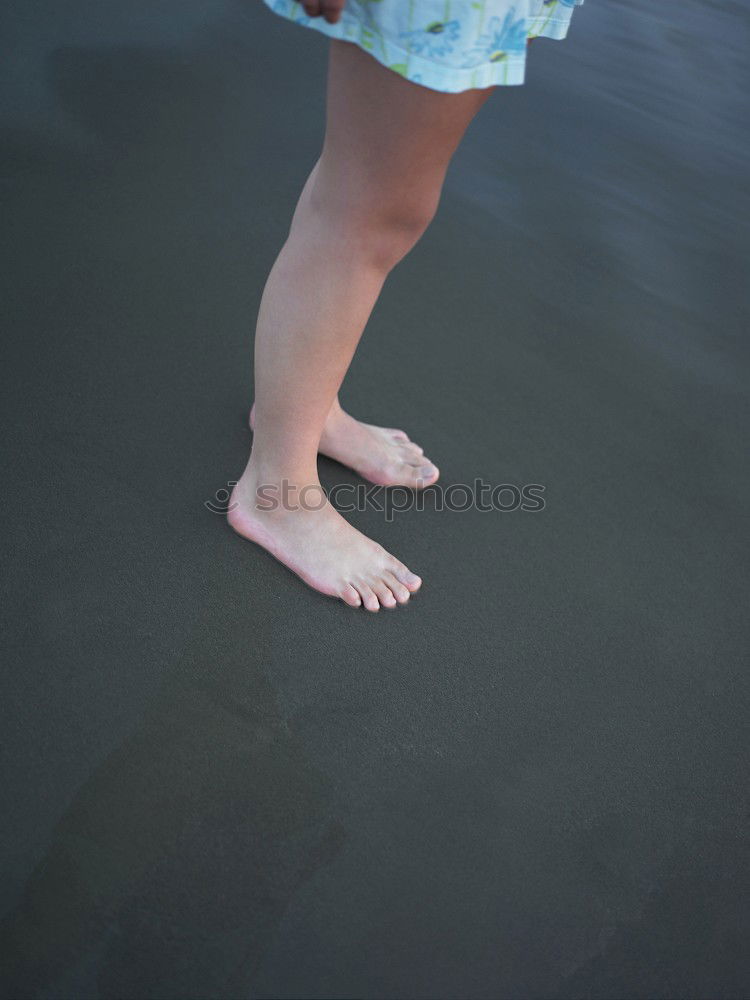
x: 370, y: 197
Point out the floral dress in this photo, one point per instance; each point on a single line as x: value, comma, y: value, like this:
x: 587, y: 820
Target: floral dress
x: 447, y: 45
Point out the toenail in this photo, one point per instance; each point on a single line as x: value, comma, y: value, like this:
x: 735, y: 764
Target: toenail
x: 428, y: 470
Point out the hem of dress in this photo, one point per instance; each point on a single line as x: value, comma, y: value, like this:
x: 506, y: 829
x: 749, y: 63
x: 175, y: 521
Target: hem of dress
x: 508, y: 71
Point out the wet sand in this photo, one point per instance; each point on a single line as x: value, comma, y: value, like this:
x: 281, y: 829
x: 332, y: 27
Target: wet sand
x: 530, y: 782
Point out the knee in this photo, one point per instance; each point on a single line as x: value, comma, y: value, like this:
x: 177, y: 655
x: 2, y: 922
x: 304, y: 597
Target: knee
x: 392, y: 230
x: 379, y: 226
x: 378, y: 232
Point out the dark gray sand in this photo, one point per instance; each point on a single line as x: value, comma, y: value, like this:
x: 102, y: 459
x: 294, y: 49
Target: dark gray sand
x: 530, y: 782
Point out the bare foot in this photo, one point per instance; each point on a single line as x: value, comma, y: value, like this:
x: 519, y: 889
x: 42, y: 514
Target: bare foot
x: 316, y: 543
x: 382, y: 455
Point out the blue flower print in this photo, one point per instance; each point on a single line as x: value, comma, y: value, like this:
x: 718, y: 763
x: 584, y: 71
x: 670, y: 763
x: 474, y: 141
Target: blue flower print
x: 435, y: 40
x: 445, y: 45
x: 508, y: 35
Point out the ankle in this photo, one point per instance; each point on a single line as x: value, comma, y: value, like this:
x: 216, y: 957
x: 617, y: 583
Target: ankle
x: 276, y: 458
x: 271, y: 488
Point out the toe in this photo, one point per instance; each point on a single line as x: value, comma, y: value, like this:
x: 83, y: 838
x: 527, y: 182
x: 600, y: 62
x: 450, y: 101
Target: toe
x: 350, y: 596
x: 411, y: 475
x: 409, y: 579
x: 384, y: 593
x: 369, y: 598
x: 420, y: 474
x: 428, y: 473
x: 399, y: 591
x: 409, y: 448
x: 398, y: 435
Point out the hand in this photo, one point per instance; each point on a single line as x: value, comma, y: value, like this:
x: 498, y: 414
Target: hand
x: 329, y: 9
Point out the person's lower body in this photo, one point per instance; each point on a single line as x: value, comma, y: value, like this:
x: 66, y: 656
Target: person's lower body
x: 367, y: 201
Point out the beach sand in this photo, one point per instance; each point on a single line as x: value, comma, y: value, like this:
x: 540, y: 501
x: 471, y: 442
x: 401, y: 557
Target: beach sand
x: 532, y: 780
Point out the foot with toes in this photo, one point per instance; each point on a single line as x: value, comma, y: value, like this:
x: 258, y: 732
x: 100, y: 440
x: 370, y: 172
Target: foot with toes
x: 314, y: 541
x: 382, y: 455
